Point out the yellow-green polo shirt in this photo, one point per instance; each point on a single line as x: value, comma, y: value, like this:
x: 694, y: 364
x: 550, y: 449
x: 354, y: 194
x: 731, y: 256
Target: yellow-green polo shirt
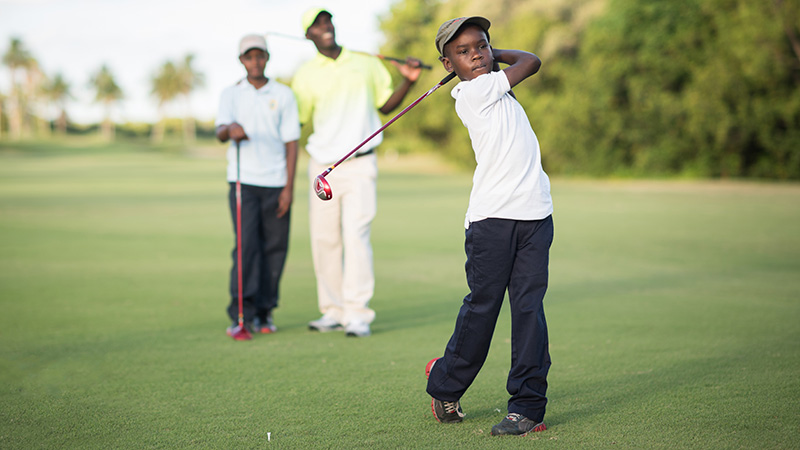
x: 341, y: 98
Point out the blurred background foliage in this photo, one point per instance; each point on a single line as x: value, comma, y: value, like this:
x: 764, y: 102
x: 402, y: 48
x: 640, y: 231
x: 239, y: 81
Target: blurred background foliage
x: 698, y: 88
x: 632, y: 88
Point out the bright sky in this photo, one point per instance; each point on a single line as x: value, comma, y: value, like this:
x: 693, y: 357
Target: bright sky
x: 135, y: 37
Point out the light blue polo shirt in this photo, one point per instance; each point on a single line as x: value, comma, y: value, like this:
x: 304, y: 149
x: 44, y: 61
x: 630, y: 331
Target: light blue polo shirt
x: 269, y: 117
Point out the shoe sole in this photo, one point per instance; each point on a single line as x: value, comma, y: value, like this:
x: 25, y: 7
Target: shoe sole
x: 429, y: 367
x: 325, y: 329
x: 536, y: 429
x: 433, y: 410
x: 352, y: 334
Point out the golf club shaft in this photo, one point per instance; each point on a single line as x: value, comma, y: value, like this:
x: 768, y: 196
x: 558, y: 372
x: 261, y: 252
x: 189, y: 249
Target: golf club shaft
x: 239, y: 236
x: 400, y: 114
x: 391, y: 58
x: 384, y: 57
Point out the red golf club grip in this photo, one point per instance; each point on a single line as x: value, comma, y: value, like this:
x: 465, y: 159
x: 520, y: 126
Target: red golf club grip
x: 239, y: 236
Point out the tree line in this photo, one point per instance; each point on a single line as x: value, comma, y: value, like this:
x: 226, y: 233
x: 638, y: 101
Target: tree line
x: 32, y: 93
x: 698, y: 88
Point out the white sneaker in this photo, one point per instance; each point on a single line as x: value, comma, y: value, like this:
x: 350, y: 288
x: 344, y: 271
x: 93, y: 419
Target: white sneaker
x: 357, y: 329
x: 324, y: 324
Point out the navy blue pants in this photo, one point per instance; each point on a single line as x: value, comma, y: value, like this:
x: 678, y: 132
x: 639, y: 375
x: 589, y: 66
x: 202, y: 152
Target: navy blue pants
x: 502, y: 255
x: 265, y: 243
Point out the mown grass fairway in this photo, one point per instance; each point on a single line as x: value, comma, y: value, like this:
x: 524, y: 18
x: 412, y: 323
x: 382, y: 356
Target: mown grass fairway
x: 674, y: 314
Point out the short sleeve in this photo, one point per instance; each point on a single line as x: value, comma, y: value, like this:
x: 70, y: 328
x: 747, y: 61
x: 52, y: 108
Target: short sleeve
x: 290, y: 125
x: 226, y: 108
x: 303, y: 96
x: 382, y: 83
x: 485, y: 90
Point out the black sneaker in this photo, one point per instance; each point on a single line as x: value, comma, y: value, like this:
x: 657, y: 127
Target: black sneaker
x: 517, y: 425
x: 444, y: 412
x: 264, y: 326
x: 447, y: 412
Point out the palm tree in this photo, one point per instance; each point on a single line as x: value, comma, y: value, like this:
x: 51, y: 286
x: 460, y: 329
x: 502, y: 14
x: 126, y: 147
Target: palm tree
x: 190, y: 79
x: 166, y: 86
x: 57, y: 91
x: 108, y: 93
x: 17, y: 57
x: 2, y: 103
x: 34, y: 82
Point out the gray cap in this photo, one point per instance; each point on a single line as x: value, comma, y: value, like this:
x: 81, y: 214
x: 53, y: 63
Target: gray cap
x: 451, y: 27
x: 252, y: 41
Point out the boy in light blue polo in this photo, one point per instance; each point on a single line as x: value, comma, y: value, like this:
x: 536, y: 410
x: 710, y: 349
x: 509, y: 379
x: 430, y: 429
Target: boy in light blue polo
x: 261, y: 116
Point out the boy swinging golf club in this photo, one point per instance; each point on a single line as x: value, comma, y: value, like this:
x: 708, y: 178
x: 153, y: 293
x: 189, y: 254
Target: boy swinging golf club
x: 509, y: 230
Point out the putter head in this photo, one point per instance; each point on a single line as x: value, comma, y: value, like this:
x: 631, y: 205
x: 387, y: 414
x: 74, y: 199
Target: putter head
x: 322, y: 188
x: 240, y: 333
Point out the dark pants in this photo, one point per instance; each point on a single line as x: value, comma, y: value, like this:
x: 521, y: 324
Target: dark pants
x: 265, y: 242
x: 502, y: 254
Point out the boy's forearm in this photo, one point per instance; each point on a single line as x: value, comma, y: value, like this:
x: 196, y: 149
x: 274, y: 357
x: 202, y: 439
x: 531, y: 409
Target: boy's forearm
x: 222, y: 133
x: 512, y: 57
x: 287, y: 193
x: 397, y: 96
x: 521, y: 64
x: 291, y: 162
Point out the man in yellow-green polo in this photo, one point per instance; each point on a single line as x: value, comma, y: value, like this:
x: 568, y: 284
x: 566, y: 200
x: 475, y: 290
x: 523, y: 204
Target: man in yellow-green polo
x: 339, y: 92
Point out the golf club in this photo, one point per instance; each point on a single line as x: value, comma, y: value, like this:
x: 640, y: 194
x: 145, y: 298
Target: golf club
x: 384, y: 57
x: 321, y: 185
x: 240, y: 332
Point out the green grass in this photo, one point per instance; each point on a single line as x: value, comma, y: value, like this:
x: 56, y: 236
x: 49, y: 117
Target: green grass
x: 674, y: 314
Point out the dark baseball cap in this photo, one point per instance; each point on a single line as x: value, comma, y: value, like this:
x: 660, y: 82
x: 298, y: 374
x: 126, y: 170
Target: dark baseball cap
x: 451, y: 27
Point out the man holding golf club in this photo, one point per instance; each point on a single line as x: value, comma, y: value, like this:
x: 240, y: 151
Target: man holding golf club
x: 340, y: 93
x: 509, y: 229
x: 259, y: 116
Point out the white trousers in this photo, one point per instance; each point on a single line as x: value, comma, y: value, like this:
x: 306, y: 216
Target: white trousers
x: 340, y: 239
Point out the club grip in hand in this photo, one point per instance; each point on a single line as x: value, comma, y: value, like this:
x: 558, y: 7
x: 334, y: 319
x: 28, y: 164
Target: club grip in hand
x: 403, y: 61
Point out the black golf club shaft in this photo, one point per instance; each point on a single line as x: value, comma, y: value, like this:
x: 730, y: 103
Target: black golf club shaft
x: 401, y: 61
x: 387, y: 58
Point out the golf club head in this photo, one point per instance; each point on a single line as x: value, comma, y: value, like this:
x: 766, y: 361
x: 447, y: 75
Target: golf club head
x: 240, y: 333
x: 322, y: 188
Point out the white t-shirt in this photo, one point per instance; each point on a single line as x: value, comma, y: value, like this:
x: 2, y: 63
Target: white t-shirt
x: 509, y: 182
x: 269, y: 118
